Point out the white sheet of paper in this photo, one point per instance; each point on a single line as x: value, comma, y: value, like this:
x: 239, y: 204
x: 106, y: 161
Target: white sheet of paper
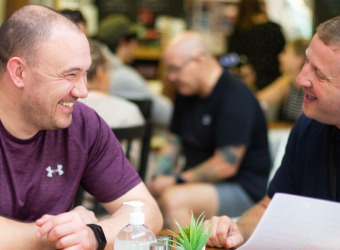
x: 296, y: 222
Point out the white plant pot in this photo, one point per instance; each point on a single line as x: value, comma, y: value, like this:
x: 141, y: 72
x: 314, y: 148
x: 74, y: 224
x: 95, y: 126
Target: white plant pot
x: 202, y: 248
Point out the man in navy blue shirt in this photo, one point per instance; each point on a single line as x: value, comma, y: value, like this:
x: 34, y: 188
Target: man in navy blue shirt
x: 312, y: 159
x: 223, y: 137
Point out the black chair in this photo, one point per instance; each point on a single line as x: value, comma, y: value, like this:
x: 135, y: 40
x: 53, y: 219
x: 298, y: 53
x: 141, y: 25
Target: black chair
x: 126, y: 136
x: 145, y: 106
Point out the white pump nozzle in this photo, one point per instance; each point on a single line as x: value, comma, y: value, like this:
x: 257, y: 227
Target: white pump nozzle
x: 136, y: 217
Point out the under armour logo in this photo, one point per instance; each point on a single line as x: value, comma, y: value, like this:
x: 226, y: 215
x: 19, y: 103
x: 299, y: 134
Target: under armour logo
x: 51, y: 171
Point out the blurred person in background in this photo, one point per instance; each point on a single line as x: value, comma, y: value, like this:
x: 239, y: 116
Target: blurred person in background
x: 120, y: 37
x: 77, y: 17
x: 259, y: 39
x: 283, y: 98
x: 116, y: 111
x: 219, y: 127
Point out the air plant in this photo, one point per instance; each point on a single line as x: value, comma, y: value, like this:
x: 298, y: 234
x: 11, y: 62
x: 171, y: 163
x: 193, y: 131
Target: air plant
x: 192, y: 237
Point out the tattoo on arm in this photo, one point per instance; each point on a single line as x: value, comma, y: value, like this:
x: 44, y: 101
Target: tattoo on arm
x: 201, y: 174
x: 228, y: 155
x: 174, y: 139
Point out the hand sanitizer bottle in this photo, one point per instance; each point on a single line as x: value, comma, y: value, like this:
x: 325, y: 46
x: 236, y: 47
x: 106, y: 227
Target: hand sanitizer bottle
x: 135, y: 235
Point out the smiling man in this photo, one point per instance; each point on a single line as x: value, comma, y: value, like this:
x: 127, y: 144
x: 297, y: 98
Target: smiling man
x: 311, y: 163
x: 50, y: 144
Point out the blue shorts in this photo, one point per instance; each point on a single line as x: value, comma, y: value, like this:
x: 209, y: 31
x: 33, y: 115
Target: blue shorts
x: 233, y: 199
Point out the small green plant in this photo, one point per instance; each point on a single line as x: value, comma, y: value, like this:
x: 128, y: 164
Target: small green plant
x: 192, y: 237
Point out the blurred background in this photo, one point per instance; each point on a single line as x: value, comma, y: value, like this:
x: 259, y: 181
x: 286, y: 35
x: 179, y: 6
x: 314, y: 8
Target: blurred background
x: 160, y: 20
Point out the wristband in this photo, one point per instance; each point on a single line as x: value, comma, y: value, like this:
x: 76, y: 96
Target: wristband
x: 179, y: 178
x: 100, y: 236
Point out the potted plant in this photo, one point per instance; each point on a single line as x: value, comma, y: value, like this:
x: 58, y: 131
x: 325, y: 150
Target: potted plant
x: 192, y: 237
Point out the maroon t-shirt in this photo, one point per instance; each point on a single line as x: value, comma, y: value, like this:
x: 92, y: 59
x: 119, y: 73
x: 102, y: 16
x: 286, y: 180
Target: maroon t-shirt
x: 41, y: 175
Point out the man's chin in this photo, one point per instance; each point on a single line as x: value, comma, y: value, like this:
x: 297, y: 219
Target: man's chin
x: 63, y: 124
x: 185, y: 92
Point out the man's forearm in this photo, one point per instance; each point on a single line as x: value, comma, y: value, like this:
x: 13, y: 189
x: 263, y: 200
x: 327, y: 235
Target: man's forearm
x: 202, y: 173
x: 212, y: 170
x: 223, y: 164
x: 167, y: 158
x: 19, y: 235
x: 251, y: 218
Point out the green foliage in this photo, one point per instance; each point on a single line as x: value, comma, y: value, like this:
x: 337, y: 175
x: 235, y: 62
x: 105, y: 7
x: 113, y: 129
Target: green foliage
x: 192, y: 237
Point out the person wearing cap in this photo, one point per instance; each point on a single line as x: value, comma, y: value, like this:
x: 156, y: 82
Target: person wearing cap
x: 77, y: 17
x: 120, y: 35
x: 98, y: 83
x: 126, y: 113
x: 221, y: 130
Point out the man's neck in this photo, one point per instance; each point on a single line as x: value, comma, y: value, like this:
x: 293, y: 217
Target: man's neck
x: 211, y: 79
x: 10, y: 114
x: 13, y: 123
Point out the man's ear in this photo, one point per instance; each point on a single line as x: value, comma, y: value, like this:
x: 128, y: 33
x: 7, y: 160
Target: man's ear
x: 16, y: 70
x: 199, y: 59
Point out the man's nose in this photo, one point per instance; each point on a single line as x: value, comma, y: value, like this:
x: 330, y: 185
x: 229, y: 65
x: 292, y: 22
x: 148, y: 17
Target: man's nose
x: 172, y: 76
x: 80, y: 90
x: 304, y: 78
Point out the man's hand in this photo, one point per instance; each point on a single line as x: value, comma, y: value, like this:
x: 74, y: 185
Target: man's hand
x: 88, y: 216
x: 160, y: 183
x: 68, y: 230
x: 225, y: 233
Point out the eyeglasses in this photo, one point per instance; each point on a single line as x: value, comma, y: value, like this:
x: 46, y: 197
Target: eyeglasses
x: 174, y: 70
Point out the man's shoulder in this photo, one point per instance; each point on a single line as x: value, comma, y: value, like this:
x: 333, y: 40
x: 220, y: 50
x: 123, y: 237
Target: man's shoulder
x: 230, y: 89
x: 306, y: 128
x: 82, y: 111
x: 84, y: 118
x: 230, y: 81
x: 305, y: 123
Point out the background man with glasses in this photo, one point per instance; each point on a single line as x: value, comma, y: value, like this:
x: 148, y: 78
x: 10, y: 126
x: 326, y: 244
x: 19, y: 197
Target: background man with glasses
x: 219, y: 127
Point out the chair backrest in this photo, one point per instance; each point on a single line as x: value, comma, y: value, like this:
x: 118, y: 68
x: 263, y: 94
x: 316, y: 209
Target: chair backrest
x: 145, y: 106
x: 127, y: 136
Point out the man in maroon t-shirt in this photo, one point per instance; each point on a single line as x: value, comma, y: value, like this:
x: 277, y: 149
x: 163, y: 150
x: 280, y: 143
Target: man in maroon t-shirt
x: 50, y: 144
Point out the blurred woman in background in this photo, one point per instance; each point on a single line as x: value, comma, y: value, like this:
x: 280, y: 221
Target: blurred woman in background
x: 259, y: 39
x: 284, y: 95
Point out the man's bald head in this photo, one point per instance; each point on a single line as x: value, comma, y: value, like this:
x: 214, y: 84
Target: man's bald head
x: 24, y: 31
x: 188, y: 43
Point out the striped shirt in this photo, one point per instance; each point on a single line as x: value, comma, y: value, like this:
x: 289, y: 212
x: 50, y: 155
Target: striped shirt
x: 292, y: 104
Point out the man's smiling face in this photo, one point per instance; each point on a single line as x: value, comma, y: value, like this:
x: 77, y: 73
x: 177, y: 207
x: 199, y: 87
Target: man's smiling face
x: 56, y: 81
x: 320, y: 79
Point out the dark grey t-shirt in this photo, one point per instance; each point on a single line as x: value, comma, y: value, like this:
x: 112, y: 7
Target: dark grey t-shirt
x: 42, y: 174
x: 229, y: 116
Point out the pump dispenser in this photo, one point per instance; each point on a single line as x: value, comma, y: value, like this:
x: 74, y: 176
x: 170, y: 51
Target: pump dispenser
x: 135, y: 235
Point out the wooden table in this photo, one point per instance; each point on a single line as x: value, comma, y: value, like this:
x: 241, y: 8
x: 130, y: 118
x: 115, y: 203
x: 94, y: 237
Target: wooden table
x: 207, y: 248
x: 280, y: 125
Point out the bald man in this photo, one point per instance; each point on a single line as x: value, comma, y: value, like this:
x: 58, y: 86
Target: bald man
x: 221, y: 130
x: 50, y: 144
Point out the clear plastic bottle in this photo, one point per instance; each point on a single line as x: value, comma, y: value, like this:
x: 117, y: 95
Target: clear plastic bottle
x: 135, y: 235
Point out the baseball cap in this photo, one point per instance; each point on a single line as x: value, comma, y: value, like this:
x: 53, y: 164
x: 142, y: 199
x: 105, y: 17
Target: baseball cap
x: 114, y: 27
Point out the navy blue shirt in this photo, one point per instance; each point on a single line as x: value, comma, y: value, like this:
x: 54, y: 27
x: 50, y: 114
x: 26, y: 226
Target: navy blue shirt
x: 305, y: 167
x: 229, y: 116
